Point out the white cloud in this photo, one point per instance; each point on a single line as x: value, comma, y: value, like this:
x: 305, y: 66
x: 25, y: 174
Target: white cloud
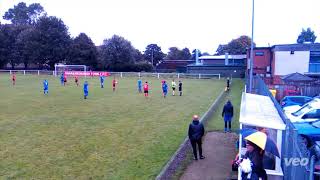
x: 202, y: 24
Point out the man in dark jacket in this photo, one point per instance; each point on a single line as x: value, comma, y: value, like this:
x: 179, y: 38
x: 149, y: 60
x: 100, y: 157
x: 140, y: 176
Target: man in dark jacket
x: 196, y: 131
x: 228, y: 84
x: 227, y: 115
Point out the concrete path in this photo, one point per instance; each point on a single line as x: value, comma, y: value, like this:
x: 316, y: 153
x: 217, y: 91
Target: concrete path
x: 219, y: 149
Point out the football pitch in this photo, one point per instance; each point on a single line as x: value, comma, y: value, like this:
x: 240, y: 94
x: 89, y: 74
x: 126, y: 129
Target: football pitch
x: 110, y: 135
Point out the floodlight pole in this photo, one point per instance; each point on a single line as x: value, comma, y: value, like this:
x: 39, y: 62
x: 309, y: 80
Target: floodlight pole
x: 251, y: 50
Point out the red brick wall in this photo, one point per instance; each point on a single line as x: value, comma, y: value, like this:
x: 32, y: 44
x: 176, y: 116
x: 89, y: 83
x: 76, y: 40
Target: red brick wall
x: 260, y: 63
x: 277, y: 80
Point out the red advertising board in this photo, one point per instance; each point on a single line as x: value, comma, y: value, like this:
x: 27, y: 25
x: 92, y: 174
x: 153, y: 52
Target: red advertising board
x: 88, y: 73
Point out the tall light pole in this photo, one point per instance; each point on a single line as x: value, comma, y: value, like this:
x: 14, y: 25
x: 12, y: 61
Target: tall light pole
x: 251, y: 50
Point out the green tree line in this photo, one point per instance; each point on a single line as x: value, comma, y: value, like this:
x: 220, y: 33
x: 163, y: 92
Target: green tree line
x: 33, y: 37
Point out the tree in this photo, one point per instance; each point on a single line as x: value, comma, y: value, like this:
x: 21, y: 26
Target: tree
x: 27, y: 45
x: 8, y: 49
x: 306, y: 36
x: 3, y: 49
x: 54, y: 41
x: 177, y: 54
x: 117, y: 54
x: 185, y: 54
x: 23, y: 14
x: 173, y: 53
x: 153, y: 54
x: 221, y: 50
x: 138, y: 56
x: 193, y: 56
x: 83, y: 51
x: 235, y: 46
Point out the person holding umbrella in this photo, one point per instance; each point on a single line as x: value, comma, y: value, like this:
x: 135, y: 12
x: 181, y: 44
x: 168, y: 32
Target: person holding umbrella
x: 255, y: 155
x: 257, y: 143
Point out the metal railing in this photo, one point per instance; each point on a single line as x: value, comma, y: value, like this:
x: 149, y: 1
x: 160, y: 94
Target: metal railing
x: 28, y: 72
x: 126, y: 74
x: 294, y: 145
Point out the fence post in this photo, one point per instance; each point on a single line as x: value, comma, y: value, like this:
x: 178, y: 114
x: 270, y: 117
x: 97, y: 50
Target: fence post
x: 38, y: 72
x: 311, y: 168
x: 286, y: 152
x: 199, y: 76
x: 295, y: 154
x: 178, y: 76
x: 158, y: 75
x: 24, y: 72
x: 139, y: 74
x: 121, y: 74
x: 10, y: 72
x: 219, y: 76
x: 52, y: 73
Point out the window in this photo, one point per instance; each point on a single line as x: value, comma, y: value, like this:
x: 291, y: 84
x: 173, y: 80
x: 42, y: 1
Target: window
x: 314, y: 57
x: 314, y: 64
x: 312, y: 114
x: 304, y: 109
x: 298, y: 99
x: 316, y: 124
x: 259, y: 53
x: 314, y: 67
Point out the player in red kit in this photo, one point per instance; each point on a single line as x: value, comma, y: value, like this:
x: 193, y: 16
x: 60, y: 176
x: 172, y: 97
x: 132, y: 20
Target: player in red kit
x: 114, y: 82
x: 64, y: 80
x: 76, y: 80
x: 146, y: 89
x: 13, y: 78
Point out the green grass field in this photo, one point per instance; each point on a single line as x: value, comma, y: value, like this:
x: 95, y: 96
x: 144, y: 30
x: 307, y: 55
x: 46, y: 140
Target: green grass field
x: 118, y: 135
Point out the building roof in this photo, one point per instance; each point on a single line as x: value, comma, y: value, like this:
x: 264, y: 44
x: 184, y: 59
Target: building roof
x: 258, y: 110
x: 260, y: 48
x: 173, y: 64
x: 215, y: 65
x: 223, y: 57
x: 296, y: 77
x: 297, y: 47
x: 178, y: 61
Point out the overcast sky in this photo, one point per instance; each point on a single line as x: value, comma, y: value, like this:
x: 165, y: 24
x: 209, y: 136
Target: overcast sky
x: 201, y: 24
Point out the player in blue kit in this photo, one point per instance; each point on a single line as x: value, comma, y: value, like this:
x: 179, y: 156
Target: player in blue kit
x: 140, y: 86
x: 164, y: 89
x: 62, y: 79
x: 85, y: 89
x: 45, y: 87
x: 101, y: 80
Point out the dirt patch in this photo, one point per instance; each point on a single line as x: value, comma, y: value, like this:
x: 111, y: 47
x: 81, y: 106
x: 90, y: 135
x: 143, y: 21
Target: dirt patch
x: 219, y: 149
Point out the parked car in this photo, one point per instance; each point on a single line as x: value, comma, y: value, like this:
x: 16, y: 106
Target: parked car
x: 309, y: 112
x: 295, y: 108
x: 309, y: 129
x: 294, y: 100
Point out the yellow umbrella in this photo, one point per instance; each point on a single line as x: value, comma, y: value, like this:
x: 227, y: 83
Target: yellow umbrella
x: 261, y: 140
x: 258, y: 138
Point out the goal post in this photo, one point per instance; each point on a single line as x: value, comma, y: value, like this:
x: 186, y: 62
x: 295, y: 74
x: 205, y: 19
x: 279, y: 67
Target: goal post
x: 60, y: 68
